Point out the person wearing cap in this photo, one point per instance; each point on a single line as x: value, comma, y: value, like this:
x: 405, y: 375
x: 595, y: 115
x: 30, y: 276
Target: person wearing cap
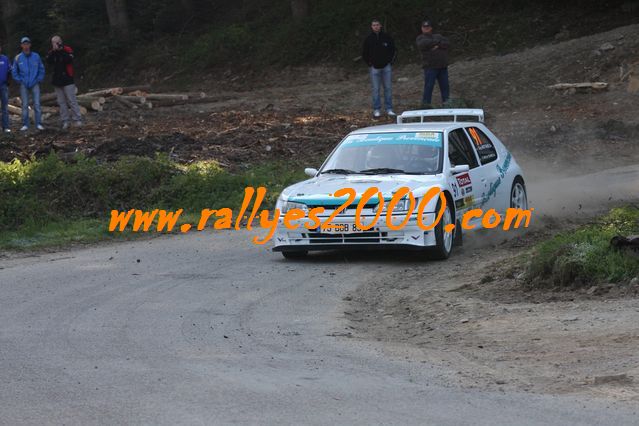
x: 28, y: 71
x: 379, y: 53
x: 61, y: 58
x: 5, y: 75
x: 434, y: 50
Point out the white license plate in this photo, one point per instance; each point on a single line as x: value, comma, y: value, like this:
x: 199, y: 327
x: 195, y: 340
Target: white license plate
x: 343, y: 228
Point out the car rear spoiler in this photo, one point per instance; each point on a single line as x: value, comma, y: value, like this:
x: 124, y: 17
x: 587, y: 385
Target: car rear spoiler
x: 409, y: 116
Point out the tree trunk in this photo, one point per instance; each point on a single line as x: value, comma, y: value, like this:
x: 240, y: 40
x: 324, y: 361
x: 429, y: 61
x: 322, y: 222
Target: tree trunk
x: 9, y: 10
x: 118, y: 17
x: 299, y: 9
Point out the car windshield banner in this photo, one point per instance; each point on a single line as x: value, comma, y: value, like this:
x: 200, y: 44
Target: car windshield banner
x: 433, y: 139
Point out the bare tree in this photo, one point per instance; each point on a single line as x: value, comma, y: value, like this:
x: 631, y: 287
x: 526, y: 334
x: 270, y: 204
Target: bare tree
x: 9, y: 10
x: 118, y: 17
x: 299, y: 9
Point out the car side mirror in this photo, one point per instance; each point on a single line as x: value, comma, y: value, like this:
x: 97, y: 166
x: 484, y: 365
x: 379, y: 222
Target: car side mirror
x: 462, y: 168
x: 309, y: 171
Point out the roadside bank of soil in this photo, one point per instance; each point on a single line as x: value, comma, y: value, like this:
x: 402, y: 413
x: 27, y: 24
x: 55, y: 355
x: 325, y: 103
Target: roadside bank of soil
x: 473, y: 315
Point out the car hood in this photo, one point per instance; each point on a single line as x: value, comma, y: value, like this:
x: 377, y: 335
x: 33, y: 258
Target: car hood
x: 320, y: 190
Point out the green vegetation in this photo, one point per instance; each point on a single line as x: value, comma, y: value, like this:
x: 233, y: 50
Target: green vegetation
x: 584, y: 256
x: 50, y: 202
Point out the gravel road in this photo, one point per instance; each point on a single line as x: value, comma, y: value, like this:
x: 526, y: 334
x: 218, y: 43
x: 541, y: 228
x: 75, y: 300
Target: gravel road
x: 210, y: 329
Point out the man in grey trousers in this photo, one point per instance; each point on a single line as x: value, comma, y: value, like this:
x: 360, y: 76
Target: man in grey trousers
x: 61, y: 58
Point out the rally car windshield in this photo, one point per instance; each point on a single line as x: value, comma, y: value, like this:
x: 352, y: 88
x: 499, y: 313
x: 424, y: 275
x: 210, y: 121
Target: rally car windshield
x: 415, y: 153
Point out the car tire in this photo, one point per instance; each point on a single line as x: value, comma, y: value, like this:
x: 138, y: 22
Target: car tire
x: 518, y: 195
x: 294, y: 255
x: 444, y: 240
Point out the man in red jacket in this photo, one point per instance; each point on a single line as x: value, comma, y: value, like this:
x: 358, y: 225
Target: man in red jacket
x: 61, y: 58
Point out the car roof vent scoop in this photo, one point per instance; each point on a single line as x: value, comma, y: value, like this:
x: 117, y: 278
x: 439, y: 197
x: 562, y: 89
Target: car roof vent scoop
x: 439, y: 115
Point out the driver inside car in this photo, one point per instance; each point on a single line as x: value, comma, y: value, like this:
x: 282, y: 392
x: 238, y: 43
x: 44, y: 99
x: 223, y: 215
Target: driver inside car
x: 381, y: 156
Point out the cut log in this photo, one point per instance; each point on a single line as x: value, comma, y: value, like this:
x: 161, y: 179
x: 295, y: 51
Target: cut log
x: 50, y: 110
x: 134, y: 99
x: 17, y: 111
x: 14, y: 109
x: 44, y: 100
x: 196, y: 95
x: 576, y: 86
x: 166, y: 96
x: 85, y: 98
x: 137, y: 93
x: 120, y: 100
x: 91, y: 104
x: 113, y: 91
x: 49, y: 97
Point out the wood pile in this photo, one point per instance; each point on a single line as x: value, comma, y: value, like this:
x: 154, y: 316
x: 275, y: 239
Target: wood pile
x: 115, y: 98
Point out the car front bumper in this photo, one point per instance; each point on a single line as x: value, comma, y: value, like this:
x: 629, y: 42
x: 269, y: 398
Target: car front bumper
x: 411, y: 236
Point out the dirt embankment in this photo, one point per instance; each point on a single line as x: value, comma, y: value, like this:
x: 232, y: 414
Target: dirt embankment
x: 473, y: 317
x: 301, y: 113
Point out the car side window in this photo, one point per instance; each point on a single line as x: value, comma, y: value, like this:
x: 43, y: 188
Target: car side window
x: 484, y: 146
x: 460, y: 151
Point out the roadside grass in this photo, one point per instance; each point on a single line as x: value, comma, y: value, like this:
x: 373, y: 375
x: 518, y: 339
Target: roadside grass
x: 584, y: 256
x: 49, y: 202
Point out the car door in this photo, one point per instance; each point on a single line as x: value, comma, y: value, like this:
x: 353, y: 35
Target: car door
x: 464, y: 185
x: 488, y: 171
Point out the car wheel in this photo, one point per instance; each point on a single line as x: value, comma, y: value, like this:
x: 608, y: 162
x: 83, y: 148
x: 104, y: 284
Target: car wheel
x: 443, y: 239
x: 518, y: 196
x: 294, y: 255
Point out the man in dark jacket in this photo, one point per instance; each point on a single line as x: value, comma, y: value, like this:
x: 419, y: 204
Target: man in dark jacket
x: 61, y: 57
x: 5, y: 73
x: 434, y: 50
x: 379, y: 54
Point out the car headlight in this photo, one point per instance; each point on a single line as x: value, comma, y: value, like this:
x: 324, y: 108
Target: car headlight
x: 401, y: 207
x: 285, y: 206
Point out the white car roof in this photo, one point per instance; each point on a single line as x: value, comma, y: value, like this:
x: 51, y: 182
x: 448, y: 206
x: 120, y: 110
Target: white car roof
x: 439, y: 126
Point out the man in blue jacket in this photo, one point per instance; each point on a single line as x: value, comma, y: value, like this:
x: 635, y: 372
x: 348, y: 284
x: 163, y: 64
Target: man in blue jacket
x: 5, y: 73
x: 28, y: 71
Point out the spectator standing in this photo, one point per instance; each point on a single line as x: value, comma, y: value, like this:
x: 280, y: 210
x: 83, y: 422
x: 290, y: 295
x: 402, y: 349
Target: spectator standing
x: 379, y: 53
x: 5, y: 75
x: 61, y: 58
x: 28, y: 71
x: 434, y: 49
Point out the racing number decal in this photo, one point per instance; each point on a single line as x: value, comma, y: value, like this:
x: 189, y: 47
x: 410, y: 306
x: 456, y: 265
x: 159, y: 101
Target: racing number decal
x: 475, y: 136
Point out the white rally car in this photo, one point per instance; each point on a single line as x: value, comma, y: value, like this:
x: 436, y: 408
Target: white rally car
x: 460, y: 156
